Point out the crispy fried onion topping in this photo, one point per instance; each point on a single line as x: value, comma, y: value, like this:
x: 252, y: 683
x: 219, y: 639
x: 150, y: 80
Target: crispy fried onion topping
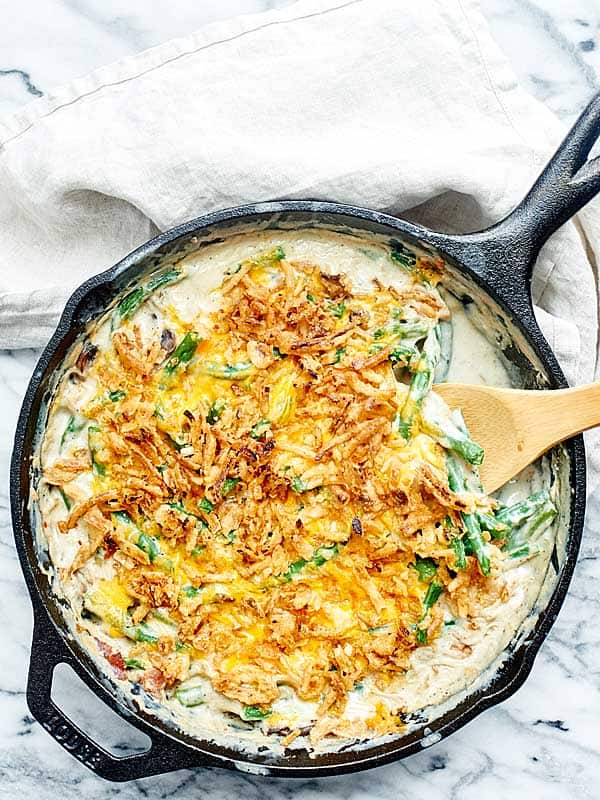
x: 253, y: 488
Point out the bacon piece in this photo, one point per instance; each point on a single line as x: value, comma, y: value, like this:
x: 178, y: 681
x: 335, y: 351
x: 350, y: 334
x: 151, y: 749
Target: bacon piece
x: 114, y: 658
x: 153, y: 681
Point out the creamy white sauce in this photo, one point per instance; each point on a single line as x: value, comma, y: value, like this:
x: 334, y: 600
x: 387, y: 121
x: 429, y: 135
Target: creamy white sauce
x: 463, y: 652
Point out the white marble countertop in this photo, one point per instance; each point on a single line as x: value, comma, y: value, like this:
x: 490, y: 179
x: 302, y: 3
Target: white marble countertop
x: 544, y: 742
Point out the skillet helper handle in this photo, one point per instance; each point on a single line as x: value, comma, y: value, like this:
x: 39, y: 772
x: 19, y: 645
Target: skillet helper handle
x: 164, y: 755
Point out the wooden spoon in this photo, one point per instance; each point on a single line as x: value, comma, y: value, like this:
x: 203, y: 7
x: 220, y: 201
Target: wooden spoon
x: 515, y: 426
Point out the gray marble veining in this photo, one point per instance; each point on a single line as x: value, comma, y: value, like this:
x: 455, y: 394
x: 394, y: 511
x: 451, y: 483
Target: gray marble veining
x: 50, y: 42
x: 544, y: 742
x: 553, y: 46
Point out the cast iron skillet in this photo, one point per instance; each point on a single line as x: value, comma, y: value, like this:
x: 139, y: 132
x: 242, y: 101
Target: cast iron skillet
x: 499, y: 261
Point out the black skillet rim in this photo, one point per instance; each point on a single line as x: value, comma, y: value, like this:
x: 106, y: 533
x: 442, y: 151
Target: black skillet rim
x: 185, y: 750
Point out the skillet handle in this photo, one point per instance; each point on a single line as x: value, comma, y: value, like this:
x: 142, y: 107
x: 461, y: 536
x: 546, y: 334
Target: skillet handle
x: 164, y: 754
x: 567, y: 183
x: 504, y: 254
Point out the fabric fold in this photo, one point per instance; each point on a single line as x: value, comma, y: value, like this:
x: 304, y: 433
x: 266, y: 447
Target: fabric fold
x: 410, y: 109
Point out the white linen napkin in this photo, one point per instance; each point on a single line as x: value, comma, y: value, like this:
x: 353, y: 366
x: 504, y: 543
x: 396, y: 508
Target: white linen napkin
x: 409, y: 108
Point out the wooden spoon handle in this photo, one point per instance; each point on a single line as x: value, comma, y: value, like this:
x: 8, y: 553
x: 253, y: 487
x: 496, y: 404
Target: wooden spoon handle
x: 516, y: 426
x: 550, y: 417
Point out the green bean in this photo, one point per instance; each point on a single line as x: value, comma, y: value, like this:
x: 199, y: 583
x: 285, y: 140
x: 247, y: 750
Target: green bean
x: 190, y: 591
x: 516, y: 514
x: 545, y: 513
x: 74, y: 425
x: 444, y: 334
x: 259, y: 260
x: 337, y: 309
x: 403, y: 356
x: 133, y: 663
x: 299, y: 486
x: 227, y: 372
x: 519, y: 552
x: 397, y: 331
x: 191, y: 696
x: 100, y: 603
x: 379, y: 629
x: 164, y: 279
x: 143, y: 634
x: 402, y: 255
x: 320, y: 556
x: 456, y: 478
x: 294, y: 569
x: 255, y: 712
x: 490, y: 523
x: 459, y: 440
x: 93, y: 445
x: 450, y: 432
x: 183, y: 353
x: 65, y: 498
x: 257, y: 431
x: 163, y: 616
x: 462, y: 445
x: 178, y: 445
x: 518, y: 522
x: 472, y: 453
x: 341, y: 351
x: 131, y: 302
x: 425, y: 567
x: 477, y: 542
x: 432, y: 595
x: 324, y: 553
x: 124, y: 518
x: 96, y: 602
x: 457, y: 483
x: 128, y: 306
x: 147, y: 544
x: 434, y: 590
x: 458, y: 547
x: 215, y: 411
x: 178, y: 506
x: 467, y: 449
x: 420, y: 385
x: 229, y: 485
x: 518, y: 541
x: 276, y: 253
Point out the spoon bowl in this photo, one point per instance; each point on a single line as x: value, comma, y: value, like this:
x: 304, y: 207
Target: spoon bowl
x: 516, y: 426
